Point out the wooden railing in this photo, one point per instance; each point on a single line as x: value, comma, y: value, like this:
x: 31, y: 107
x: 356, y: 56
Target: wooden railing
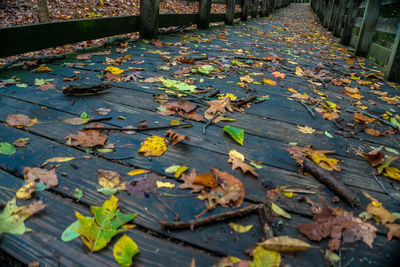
x: 345, y: 18
x: 20, y: 39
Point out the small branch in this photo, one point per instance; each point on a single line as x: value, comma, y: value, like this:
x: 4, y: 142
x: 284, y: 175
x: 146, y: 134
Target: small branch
x: 100, y: 119
x: 186, y: 125
x: 373, y: 116
x: 385, y: 190
x: 212, y: 94
x: 264, y: 215
x: 177, y: 217
x: 307, y: 107
x: 330, y: 181
x: 209, y: 122
x: 211, y: 219
x: 85, y: 90
x: 246, y: 100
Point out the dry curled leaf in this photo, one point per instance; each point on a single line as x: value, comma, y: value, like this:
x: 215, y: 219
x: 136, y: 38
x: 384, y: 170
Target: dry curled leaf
x: 175, y: 137
x: 21, y: 142
x: 25, y: 192
x: 188, y: 182
x: 39, y: 175
x: 375, y: 157
x: 20, y: 120
x: 375, y: 208
x: 206, y: 179
x: 285, y: 244
x: 373, y: 132
x: 237, y: 161
x: 153, y: 146
x: 394, y: 230
x: 217, y: 106
x: 87, y: 138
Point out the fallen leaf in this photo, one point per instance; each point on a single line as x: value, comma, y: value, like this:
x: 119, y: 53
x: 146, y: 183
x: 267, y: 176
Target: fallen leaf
x: 247, y: 79
x: 394, y: 230
x: 375, y: 157
x: 153, y: 146
x: 20, y: 120
x: 373, y: 132
x: 279, y: 211
x: 206, y: 179
x: 284, y: 244
x: 266, y: 258
x: 78, y: 193
x: 96, y: 232
x: 278, y: 75
x: 137, y: 172
x: 139, y: 187
x: 300, y: 72
x: 58, y: 159
x: 21, y: 142
x: 359, y: 117
x: 107, y: 191
x: 43, y: 69
x: 164, y: 184
x: 174, y: 137
x: 236, y: 133
x: 42, y: 176
x: 305, y: 129
x: 124, y: 250
x: 7, y: 148
x: 237, y: 161
x: 111, y: 179
x: 240, y: 228
x: 269, y: 82
x: 114, y: 70
x: 188, y: 182
x: 217, y: 106
x: 88, y: 138
x: 392, y: 172
x: 69, y: 233
x: 12, y: 218
x: 25, y: 192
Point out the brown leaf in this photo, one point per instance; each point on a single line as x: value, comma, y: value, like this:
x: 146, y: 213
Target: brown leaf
x: 88, y: 138
x: 39, y: 175
x: 18, y: 120
x: 359, y: 117
x: 394, y: 230
x: 174, y: 137
x: 375, y: 208
x: 157, y: 43
x: 146, y: 184
x: 45, y: 87
x: 206, y: 179
x: 21, y: 142
x: 373, y: 132
x: 217, y: 106
x: 235, y: 192
x: 68, y: 79
x: 239, y: 163
x: 188, y: 182
x: 375, y: 157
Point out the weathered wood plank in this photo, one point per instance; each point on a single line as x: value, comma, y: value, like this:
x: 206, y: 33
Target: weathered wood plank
x: 393, y: 67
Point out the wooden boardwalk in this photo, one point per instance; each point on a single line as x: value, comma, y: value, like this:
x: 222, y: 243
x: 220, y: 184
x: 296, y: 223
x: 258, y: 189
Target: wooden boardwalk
x: 296, y: 39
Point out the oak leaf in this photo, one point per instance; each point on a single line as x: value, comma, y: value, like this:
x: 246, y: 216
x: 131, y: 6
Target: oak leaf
x: 217, y: 106
x: 87, y: 138
x: 42, y: 176
x: 188, y: 182
x: 174, y: 137
x: 153, y: 146
x: 237, y: 161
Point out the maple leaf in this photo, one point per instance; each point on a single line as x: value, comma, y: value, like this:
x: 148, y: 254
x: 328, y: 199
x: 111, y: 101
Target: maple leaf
x: 20, y: 120
x: 237, y: 161
x: 188, y: 182
x: 42, y: 176
x: 153, y: 146
x: 12, y: 218
x: 87, y: 138
x: 217, y: 106
x: 96, y: 232
x: 174, y: 137
x: 375, y: 157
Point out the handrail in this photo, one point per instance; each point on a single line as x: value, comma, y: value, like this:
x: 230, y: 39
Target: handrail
x: 20, y: 39
x: 340, y: 16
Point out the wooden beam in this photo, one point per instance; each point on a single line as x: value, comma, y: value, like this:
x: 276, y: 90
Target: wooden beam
x: 204, y: 14
x: 339, y: 21
x: 148, y: 22
x: 254, y: 9
x: 349, y: 23
x: 245, y: 10
x: 230, y: 11
x: 393, y: 67
x: 367, y: 29
x: 45, y: 35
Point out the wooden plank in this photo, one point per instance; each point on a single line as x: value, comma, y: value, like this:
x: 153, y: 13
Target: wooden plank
x: 352, y: 11
x: 170, y: 20
x: 393, y: 67
x: 149, y: 11
x: 367, y: 27
x: 380, y: 52
x: 44, y: 243
x: 340, y: 18
x: 204, y: 14
x: 45, y: 35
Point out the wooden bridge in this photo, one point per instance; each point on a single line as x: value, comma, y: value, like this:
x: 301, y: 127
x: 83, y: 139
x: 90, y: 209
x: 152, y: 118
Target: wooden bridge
x: 286, y: 71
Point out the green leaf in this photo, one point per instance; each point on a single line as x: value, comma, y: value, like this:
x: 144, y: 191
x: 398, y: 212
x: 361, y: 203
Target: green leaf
x: 78, y: 193
x: 124, y: 250
x: 107, y: 191
x: 96, y: 232
x: 394, y: 151
x: 328, y: 134
x: 13, y: 217
x: 84, y: 115
x: 228, y: 119
x: 236, y: 133
x: 105, y: 150
x: 39, y: 82
x: 21, y: 85
x: 70, y: 233
x: 6, y: 148
x: 178, y: 85
x: 395, y: 122
x: 204, y: 69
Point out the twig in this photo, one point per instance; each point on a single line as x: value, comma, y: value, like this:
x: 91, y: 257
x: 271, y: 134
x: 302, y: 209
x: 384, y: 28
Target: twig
x: 211, y: 219
x: 246, y: 100
x: 385, y: 190
x: 209, y: 122
x: 100, y: 119
x: 186, y: 125
x: 84, y: 89
x: 264, y: 215
x: 212, y: 94
x: 329, y: 180
x: 307, y: 107
x: 177, y: 217
x: 373, y: 116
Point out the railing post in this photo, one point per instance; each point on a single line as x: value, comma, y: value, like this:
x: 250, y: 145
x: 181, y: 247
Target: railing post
x: 349, y: 23
x: 367, y: 27
x: 148, y: 21
x: 230, y: 11
x: 328, y: 13
x: 254, y: 10
x: 393, y: 67
x: 334, y: 16
x: 339, y: 20
x: 263, y: 11
x: 245, y: 10
x: 204, y: 14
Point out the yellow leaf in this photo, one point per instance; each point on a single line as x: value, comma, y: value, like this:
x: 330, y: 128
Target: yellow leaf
x: 111, y: 179
x: 319, y: 157
x: 375, y: 208
x: 305, y: 129
x: 236, y: 154
x: 124, y: 250
x: 43, y: 68
x: 231, y: 96
x: 300, y: 72
x: 266, y: 258
x: 165, y: 184
x: 114, y: 70
x: 137, y: 171
x: 292, y: 90
x: 180, y: 170
x: 153, y: 146
x: 275, y: 208
x: 269, y: 82
x: 247, y: 79
x: 58, y: 159
x: 392, y: 172
x: 25, y: 192
x: 285, y: 244
x: 240, y: 228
